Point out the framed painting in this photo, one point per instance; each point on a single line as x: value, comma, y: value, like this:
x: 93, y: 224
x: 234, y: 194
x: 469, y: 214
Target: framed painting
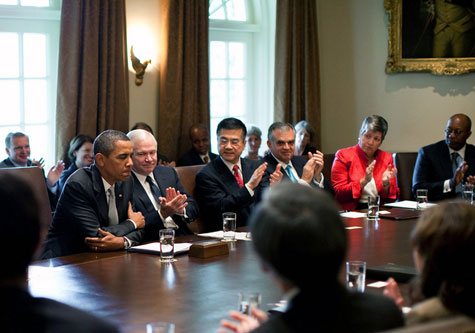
x: 434, y: 36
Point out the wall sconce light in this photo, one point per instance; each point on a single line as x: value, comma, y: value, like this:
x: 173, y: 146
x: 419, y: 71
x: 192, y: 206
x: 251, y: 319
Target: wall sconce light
x: 138, y: 66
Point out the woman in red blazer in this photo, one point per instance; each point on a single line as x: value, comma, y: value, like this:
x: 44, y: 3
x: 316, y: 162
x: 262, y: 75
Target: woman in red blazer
x: 364, y: 170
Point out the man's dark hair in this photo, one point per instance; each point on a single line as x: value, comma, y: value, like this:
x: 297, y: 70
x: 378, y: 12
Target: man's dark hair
x: 278, y: 125
x: 20, y: 226
x: 76, y: 144
x: 105, y: 142
x: 231, y: 124
x: 142, y: 125
x: 296, y: 226
x: 13, y: 135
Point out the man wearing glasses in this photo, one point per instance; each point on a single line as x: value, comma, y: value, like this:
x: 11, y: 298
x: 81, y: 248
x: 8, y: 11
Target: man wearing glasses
x: 444, y: 166
x: 229, y: 183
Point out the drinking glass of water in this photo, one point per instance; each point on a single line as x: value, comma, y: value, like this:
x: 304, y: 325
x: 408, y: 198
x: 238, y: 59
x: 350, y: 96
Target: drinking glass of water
x: 356, y: 275
x: 421, y: 196
x: 167, y: 245
x: 467, y: 193
x: 248, y: 301
x: 373, y: 208
x: 229, y: 227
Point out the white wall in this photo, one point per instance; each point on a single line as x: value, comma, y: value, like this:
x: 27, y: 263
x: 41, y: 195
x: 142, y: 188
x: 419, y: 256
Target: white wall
x: 353, y: 52
x: 143, y: 32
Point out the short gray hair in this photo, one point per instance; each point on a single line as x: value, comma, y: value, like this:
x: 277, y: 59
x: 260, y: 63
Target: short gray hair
x: 303, y: 124
x: 105, y: 142
x: 278, y: 125
x: 254, y: 130
x: 140, y: 135
x: 13, y: 135
x: 374, y: 123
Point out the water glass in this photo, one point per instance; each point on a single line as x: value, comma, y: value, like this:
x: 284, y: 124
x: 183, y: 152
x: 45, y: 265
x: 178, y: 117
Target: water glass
x: 160, y: 327
x: 248, y: 301
x: 356, y: 275
x: 167, y: 245
x: 373, y: 208
x: 467, y: 193
x: 229, y: 227
x: 421, y: 196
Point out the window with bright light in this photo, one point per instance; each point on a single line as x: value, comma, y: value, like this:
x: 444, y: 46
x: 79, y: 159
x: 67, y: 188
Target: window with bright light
x: 29, y: 36
x: 241, y: 56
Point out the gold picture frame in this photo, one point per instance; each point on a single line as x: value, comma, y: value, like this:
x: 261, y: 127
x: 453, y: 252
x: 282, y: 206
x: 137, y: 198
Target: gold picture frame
x: 416, y: 58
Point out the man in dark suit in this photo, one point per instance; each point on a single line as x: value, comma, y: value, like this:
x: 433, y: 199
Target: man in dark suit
x: 94, y: 211
x: 158, y: 192
x: 283, y: 165
x: 293, y: 226
x: 17, y: 147
x: 229, y: 183
x: 200, y: 153
x: 444, y: 166
x: 20, y: 232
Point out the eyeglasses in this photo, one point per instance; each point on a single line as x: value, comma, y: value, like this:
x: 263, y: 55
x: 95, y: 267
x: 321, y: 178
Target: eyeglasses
x: 456, y: 132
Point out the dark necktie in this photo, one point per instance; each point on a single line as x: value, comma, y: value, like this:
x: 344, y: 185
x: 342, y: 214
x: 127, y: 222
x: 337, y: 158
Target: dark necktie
x: 456, y: 160
x: 154, y: 188
x: 206, y: 159
x: 238, y: 176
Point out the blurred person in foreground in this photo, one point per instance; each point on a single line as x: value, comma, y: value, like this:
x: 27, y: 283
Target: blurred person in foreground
x: 296, y: 226
x: 254, y: 140
x: 80, y: 155
x: 443, y: 243
x: 21, y: 230
x: 365, y: 170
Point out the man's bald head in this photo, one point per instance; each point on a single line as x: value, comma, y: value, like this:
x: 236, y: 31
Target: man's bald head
x: 199, y: 137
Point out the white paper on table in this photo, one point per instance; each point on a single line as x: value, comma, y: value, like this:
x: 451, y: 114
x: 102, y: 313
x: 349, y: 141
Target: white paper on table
x: 353, y: 215
x: 219, y: 234
x: 384, y: 212
x: 155, y: 248
x: 350, y: 228
x: 377, y: 284
x: 406, y: 204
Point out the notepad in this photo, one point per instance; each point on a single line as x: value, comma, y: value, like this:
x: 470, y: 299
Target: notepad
x: 154, y: 248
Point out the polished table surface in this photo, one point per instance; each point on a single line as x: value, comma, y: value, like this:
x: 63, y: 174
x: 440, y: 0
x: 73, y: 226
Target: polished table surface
x: 131, y: 289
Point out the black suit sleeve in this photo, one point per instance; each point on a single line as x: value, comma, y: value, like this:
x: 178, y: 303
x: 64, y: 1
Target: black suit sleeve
x: 216, y: 198
x: 78, y: 209
x: 424, y: 177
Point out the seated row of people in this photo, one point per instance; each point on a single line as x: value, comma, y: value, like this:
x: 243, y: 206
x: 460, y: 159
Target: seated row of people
x: 227, y: 183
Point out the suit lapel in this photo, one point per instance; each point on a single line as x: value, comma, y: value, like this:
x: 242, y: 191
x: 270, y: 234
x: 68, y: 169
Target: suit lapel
x: 100, y: 196
x: 139, y: 193
x: 225, y: 175
x: 162, y: 182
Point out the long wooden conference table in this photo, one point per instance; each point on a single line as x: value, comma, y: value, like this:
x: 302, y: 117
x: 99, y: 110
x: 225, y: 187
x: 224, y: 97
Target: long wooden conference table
x: 132, y: 289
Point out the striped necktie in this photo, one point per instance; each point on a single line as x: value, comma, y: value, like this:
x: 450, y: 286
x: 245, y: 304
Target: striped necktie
x: 292, y: 178
x: 238, y: 176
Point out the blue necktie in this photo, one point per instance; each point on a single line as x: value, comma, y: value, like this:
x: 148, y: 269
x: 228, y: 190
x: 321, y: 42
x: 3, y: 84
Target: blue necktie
x: 154, y: 188
x: 292, y: 178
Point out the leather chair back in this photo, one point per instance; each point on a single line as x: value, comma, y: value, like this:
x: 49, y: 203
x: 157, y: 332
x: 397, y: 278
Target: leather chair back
x: 36, y: 178
x: 187, y: 176
x: 405, y: 162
